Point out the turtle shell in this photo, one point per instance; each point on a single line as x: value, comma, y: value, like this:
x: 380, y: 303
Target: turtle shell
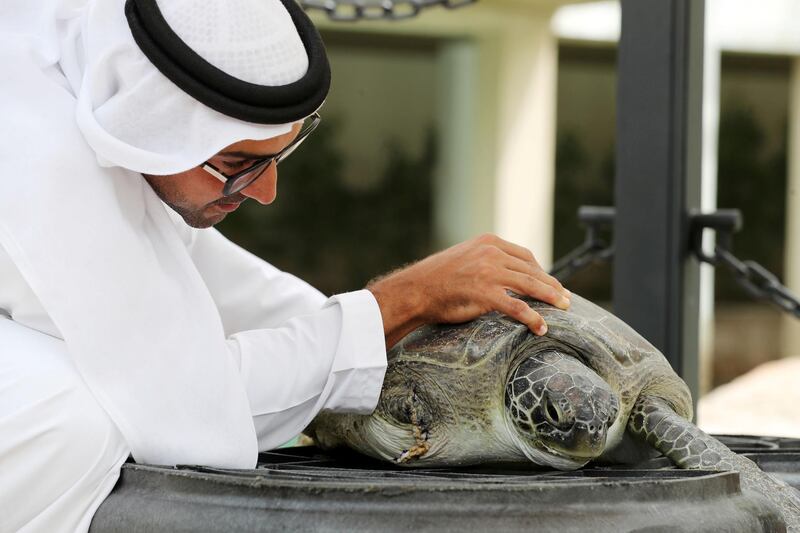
x: 460, y: 345
x: 628, y: 362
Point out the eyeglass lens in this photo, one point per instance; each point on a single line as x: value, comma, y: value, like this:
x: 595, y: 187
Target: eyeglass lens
x: 245, y: 180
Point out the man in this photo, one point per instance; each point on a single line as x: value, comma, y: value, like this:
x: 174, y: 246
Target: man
x: 133, y: 328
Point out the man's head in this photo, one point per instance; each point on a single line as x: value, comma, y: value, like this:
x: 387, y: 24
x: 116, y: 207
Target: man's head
x: 215, y: 76
x: 189, y: 78
x: 197, y: 195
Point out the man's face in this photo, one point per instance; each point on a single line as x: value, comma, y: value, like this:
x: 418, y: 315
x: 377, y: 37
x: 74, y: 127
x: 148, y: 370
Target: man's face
x: 197, y: 196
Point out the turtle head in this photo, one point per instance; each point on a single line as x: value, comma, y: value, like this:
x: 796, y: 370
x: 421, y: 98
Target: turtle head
x: 560, y: 408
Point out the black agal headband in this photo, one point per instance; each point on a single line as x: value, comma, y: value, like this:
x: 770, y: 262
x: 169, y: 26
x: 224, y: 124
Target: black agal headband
x: 222, y: 92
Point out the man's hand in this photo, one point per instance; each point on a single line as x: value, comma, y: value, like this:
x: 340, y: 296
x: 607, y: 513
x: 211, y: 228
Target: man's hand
x: 464, y: 282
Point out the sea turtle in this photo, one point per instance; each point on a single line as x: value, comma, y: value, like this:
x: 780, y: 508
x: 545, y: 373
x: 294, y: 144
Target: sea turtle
x: 490, y: 391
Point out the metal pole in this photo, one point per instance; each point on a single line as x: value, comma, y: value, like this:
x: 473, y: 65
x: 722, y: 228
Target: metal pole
x: 659, y: 140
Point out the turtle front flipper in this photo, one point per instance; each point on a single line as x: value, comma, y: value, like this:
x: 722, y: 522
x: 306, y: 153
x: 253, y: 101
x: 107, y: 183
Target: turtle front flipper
x: 686, y: 445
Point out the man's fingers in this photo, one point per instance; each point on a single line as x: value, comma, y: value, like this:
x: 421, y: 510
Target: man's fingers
x: 515, y: 250
x: 531, y: 286
x: 522, y: 267
x: 519, y: 310
x: 522, y: 260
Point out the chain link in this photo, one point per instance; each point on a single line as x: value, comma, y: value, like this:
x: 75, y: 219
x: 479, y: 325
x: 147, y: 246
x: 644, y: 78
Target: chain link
x: 756, y: 280
x: 353, y: 10
x: 759, y: 282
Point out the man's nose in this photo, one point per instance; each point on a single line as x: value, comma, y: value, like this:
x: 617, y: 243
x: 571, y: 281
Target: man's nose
x: 265, y: 188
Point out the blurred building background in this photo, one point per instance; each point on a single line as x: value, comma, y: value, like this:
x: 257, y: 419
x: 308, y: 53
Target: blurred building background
x: 751, y: 98
x: 437, y: 128
x: 500, y: 116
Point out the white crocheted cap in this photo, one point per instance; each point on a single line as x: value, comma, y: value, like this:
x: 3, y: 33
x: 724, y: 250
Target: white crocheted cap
x: 134, y: 117
x: 252, y: 40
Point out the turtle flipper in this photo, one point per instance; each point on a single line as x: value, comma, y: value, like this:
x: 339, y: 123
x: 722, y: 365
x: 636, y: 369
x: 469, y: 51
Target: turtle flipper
x: 653, y: 419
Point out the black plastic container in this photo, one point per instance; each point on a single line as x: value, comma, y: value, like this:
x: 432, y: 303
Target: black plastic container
x: 779, y: 456
x: 301, y: 489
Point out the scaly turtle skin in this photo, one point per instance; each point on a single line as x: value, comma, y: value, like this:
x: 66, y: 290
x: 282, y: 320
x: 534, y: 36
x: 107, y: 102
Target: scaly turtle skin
x: 490, y: 391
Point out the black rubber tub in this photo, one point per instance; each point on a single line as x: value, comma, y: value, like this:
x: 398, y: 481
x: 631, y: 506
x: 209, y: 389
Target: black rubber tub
x: 301, y: 489
x: 777, y: 455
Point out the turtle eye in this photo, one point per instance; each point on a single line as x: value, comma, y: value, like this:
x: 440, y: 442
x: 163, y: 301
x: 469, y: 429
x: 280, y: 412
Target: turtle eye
x: 527, y: 400
x: 552, y: 412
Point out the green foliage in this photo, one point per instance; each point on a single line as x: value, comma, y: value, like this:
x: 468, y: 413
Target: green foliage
x: 337, y: 237
x: 581, y: 181
x: 752, y: 179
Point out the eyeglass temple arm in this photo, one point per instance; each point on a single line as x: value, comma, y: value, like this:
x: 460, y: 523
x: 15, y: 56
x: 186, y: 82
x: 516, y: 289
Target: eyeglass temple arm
x: 214, y: 172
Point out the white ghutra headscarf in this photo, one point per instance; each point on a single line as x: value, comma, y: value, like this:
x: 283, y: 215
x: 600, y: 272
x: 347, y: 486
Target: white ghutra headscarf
x: 95, y: 92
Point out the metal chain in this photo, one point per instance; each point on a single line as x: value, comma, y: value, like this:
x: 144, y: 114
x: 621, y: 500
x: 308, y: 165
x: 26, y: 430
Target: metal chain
x: 353, y: 10
x: 593, y: 250
x: 757, y: 281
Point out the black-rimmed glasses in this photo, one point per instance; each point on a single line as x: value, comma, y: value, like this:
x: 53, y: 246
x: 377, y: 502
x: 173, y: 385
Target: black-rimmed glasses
x: 247, y: 176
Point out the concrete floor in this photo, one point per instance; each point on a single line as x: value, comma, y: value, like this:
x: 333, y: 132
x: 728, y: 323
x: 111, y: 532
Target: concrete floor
x: 764, y: 401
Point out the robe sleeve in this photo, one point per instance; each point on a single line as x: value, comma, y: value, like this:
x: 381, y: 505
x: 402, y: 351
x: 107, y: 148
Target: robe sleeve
x: 298, y: 352
x: 249, y: 292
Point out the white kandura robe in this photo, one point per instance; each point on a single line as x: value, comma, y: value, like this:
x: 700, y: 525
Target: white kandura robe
x: 297, y: 353
x: 130, y: 331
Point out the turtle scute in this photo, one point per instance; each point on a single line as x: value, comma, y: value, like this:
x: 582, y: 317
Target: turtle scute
x: 459, y: 345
